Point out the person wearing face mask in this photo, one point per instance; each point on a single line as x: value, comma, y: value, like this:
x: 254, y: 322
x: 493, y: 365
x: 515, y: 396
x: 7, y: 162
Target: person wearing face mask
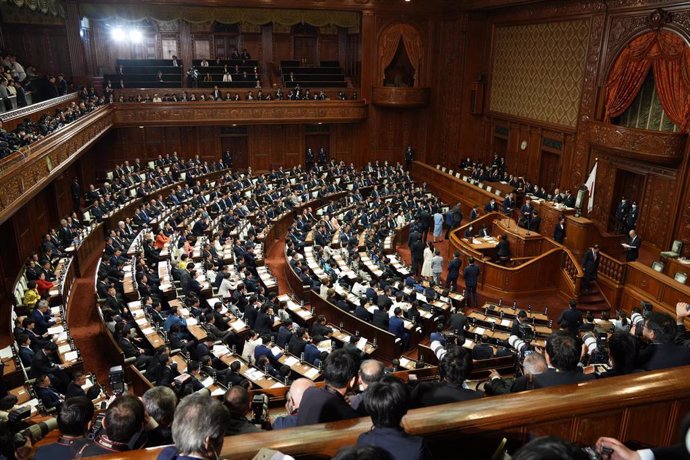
x: 197, y: 429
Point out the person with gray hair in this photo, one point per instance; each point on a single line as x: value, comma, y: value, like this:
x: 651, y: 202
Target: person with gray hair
x: 533, y: 364
x: 198, y: 429
x: 160, y: 403
x: 370, y: 372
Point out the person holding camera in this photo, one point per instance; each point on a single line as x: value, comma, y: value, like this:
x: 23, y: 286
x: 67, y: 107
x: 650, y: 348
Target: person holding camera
x: 239, y: 405
x: 534, y: 364
x: 73, y: 421
x: 660, y: 331
x: 563, y: 356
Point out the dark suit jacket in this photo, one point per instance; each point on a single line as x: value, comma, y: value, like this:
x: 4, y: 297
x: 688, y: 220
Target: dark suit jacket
x: 454, y: 268
x: 559, y: 233
x: 433, y: 393
x: 320, y: 405
x: 41, y: 365
x: 296, y: 345
x: 663, y: 356
x: 49, y: 397
x: 552, y: 378
x: 26, y: 355
x: 396, y: 326
x: 471, y: 275
x: 633, y: 253
x: 590, y: 265
x: 503, y: 248
x: 396, y: 442
x: 380, y: 319
x: 263, y: 323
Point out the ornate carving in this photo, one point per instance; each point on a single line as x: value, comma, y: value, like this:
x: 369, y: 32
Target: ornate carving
x: 659, y: 18
x: 401, y: 97
x: 23, y: 180
x: 658, y: 148
x: 205, y: 113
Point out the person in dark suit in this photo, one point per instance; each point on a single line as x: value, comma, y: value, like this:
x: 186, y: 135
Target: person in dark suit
x: 532, y: 365
x: 457, y: 321
x: 563, y: 355
x: 471, y: 278
x: 396, y: 326
x: 453, y: 272
x: 75, y: 387
x: 380, y: 318
x: 491, y: 206
x: 590, y: 265
x: 285, y: 333
x: 26, y: 354
x: 632, y: 246
x: 417, y: 250
x: 454, y: 368
x: 660, y: 330
x: 47, y: 394
x: 503, y: 249
x: 571, y: 319
x: 559, y: 231
x: 328, y: 404
x: 409, y: 157
x: 387, y: 402
x: 264, y: 320
x: 298, y: 341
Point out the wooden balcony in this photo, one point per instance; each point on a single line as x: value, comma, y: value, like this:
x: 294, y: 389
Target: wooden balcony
x: 241, y: 112
x: 401, y: 98
x: 636, y: 144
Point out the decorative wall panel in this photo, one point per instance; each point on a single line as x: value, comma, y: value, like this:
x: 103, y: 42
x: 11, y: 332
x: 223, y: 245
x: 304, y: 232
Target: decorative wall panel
x: 538, y: 70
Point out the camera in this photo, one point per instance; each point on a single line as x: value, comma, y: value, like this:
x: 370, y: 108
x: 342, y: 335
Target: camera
x: 521, y: 346
x: 35, y: 432
x: 116, y: 378
x: 597, y: 347
x: 259, y: 408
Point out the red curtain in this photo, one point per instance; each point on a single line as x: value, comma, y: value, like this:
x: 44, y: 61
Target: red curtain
x: 668, y: 55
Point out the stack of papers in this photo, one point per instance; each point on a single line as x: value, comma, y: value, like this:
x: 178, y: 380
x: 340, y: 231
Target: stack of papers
x: 311, y: 373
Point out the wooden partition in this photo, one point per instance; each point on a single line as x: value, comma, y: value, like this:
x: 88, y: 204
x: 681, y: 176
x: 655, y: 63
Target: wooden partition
x: 386, y: 348
x: 646, y: 408
x: 642, y: 283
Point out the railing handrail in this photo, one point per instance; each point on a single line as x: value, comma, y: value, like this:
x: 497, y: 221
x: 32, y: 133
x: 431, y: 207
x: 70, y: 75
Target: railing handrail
x: 497, y: 414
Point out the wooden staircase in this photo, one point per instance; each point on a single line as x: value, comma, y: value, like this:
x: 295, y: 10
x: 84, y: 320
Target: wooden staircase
x: 593, y: 299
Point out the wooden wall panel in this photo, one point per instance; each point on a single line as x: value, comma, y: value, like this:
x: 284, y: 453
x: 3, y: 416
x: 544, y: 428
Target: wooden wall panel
x: 328, y: 48
x: 42, y: 46
x: 282, y: 48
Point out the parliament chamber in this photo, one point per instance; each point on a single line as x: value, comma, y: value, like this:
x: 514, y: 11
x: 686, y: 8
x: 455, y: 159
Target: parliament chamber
x: 344, y: 229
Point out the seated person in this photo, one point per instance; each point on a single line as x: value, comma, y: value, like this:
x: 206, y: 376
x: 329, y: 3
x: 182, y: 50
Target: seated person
x: 454, y: 368
x: 293, y: 398
x: 73, y: 421
x: 387, y: 403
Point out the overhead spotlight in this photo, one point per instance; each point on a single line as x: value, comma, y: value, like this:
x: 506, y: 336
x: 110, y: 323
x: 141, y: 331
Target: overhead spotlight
x: 117, y: 34
x: 136, y: 36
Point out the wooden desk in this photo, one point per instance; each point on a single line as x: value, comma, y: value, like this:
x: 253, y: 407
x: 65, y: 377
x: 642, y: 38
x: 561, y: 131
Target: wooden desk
x: 674, y: 265
x: 523, y: 243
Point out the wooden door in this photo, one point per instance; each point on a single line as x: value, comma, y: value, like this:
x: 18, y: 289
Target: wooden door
x: 549, y: 171
x: 316, y: 141
x: 306, y: 50
x: 238, y: 147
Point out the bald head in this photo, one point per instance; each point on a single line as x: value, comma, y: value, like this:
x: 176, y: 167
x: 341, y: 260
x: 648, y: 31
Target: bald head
x: 534, y: 364
x: 297, y: 390
x: 370, y: 371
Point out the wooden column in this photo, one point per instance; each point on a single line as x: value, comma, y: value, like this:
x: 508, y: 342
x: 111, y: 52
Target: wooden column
x: 74, y: 43
x: 186, y: 48
x: 266, y: 50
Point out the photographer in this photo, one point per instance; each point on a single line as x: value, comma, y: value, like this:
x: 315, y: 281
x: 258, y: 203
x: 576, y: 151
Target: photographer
x: 123, y: 429
x: 622, y: 354
x: 455, y: 366
x: 563, y: 356
x: 239, y: 405
x: 73, y: 421
x: 660, y: 331
x: 533, y: 365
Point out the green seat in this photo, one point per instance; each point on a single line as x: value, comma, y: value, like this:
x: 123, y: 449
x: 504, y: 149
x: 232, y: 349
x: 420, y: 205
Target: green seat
x: 674, y: 253
x: 658, y: 266
x: 681, y: 277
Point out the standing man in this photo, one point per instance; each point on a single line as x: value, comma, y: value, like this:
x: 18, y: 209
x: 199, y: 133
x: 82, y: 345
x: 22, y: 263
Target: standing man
x: 631, y: 219
x: 559, y: 231
x: 632, y: 246
x: 453, y: 272
x: 471, y: 279
x: 409, y: 157
x: 76, y: 194
x: 622, y: 214
x: 590, y: 264
x: 436, y: 266
x: 309, y: 158
x: 227, y: 158
x: 417, y: 250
